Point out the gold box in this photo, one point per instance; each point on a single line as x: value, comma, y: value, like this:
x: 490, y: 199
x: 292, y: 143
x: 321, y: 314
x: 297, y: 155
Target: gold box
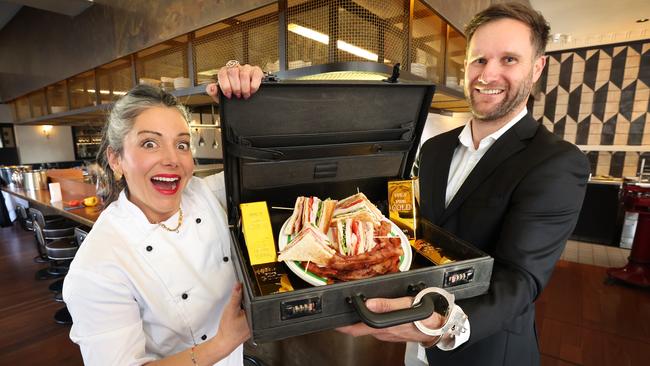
x: 402, y: 206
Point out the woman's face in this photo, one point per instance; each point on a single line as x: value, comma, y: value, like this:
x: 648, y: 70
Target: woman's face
x: 156, y: 161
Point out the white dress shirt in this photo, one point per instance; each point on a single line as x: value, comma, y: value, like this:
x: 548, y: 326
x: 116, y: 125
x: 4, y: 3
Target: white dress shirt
x: 137, y: 292
x: 465, y: 158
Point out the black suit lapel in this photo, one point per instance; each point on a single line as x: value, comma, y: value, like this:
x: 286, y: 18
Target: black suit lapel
x: 442, y: 153
x: 508, y: 144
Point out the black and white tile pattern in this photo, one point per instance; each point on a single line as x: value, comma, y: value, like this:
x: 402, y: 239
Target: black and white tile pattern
x: 599, y: 97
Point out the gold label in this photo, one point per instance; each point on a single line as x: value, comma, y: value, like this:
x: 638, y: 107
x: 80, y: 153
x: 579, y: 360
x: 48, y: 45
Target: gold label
x: 258, y: 232
x: 402, y: 206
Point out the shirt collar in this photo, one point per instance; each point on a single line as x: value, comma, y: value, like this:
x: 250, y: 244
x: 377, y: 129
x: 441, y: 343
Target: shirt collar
x: 465, y: 136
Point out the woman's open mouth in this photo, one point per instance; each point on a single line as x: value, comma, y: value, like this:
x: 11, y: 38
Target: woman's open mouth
x: 166, y: 183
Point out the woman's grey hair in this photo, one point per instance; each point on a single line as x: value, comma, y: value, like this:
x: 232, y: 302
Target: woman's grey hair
x: 119, y: 124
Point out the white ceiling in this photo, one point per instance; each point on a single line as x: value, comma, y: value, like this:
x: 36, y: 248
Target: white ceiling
x: 594, y: 22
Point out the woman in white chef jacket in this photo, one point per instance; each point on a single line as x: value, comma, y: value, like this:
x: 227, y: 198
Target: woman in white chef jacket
x: 153, y: 282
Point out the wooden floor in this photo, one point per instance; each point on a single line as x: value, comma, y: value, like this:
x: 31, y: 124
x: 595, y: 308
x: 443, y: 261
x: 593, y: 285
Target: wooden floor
x: 581, y: 320
x: 28, y: 333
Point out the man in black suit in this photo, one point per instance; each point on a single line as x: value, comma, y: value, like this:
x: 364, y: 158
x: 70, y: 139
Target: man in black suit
x: 503, y: 183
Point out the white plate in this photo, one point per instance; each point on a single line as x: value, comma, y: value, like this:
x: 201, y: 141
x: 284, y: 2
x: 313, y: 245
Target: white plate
x: 311, y: 278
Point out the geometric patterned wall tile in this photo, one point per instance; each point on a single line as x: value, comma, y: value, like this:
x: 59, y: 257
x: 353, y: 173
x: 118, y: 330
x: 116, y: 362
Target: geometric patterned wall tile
x: 613, y: 101
x: 570, y: 130
x: 548, y: 124
x: 573, y: 108
x: 553, y: 74
x: 644, y: 65
x: 549, y: 106
x: 591, y: 69
x: 617, y: 164
x: 565, y: 71
x: 622, y: 130
x: 595, y: 131
x: 608, y: 50
x: 582, y: 131
x: 644, y: 158
x: 586, y: 102
x: 609, y: 131
x: 604, y: 70
x: 577, y: 72
x: 604, y: 162
x: 641, y: 98
x: 561, y: 103
x: 618, y: 66
x: 600, y: 99
x: 592, y: 156
x: 630, y: 167
x: 636, y: 130
x: 631, y: 66
x: 627, y: 100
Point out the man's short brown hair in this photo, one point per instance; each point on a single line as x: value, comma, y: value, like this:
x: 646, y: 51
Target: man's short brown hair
x: 539, y: 28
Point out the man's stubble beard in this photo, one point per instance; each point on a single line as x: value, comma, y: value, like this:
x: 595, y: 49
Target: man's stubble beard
x: 507, y: 105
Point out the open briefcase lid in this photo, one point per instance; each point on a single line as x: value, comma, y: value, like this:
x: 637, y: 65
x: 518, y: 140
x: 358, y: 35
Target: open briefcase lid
x: 320, y: 135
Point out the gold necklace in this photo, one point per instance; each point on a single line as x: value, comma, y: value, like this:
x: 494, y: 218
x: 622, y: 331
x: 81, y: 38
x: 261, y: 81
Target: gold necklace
x: 180, y: 222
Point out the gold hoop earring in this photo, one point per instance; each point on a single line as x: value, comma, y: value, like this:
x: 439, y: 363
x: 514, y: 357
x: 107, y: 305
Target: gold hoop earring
x: 117, y: 175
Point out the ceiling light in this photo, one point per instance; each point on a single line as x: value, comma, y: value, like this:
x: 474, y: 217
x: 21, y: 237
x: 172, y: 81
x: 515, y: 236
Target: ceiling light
x: 642, y: 20
x: 324, y: 39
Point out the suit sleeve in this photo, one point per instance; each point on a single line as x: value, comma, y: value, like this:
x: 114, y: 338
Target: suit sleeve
x: 542, y: 213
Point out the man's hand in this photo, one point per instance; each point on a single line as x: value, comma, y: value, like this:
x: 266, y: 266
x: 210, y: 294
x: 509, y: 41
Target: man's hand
x: 399, y: 333
x: 240, y: 80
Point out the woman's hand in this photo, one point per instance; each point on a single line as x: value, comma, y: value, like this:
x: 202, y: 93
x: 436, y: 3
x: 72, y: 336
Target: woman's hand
x: 233, y: 327
x: 399, y: 333
x: 240, y: 80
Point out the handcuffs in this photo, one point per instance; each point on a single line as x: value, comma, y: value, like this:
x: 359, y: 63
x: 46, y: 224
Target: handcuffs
x: 454, y: 323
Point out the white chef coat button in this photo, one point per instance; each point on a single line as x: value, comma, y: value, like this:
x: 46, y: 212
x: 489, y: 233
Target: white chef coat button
x: 149, y: 248
x: 198, y: 220
x: 184, y: 296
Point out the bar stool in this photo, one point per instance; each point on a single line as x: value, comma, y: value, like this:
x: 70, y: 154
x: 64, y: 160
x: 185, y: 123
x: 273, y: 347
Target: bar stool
x: 25, y: 222
x: 55, y: 252
x: 48, y: 233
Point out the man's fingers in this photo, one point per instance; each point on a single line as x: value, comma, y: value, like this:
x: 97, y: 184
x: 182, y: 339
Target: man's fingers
x: 380, y: 305
x: 212, y: 91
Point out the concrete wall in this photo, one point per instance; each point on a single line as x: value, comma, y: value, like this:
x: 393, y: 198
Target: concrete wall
x: 37, y: 47
x: 34, y: 147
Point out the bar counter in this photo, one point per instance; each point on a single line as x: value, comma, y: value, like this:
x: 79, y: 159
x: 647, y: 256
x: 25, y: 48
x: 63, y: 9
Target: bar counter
x: 41, y: 197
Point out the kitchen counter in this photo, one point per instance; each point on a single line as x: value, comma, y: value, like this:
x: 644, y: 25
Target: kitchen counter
x: 41, y: 197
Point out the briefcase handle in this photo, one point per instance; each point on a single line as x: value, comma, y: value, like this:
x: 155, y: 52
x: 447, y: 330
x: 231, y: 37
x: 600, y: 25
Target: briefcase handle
x: 429, y: 303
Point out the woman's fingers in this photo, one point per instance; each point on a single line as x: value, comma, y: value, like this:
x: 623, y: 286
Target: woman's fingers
x: 241, y: 81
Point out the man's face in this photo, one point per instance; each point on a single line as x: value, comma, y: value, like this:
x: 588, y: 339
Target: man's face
x: 500, y: 69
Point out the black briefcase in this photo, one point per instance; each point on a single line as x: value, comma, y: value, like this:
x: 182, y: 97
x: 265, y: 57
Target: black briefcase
x: 332, y: 138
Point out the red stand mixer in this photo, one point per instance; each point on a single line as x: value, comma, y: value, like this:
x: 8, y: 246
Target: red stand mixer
x: 636, y: 198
